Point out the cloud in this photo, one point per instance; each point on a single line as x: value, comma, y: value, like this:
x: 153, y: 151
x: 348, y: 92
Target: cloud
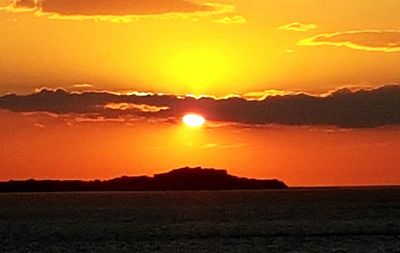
x: 342, y: 108
x: 262, y: 95
x: 82, y: 85
x: 298, y: 27
x: 38, y: 125
x: 140, y: 107
x: 118, y: 11
x: 237, y: 19
x: 367, y: 40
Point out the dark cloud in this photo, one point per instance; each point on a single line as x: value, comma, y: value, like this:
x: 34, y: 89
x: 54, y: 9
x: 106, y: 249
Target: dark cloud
x: 118, y: 11
x: 367, y: 40
x: 124, y: 11
x: 29, y: 4
x: 114, y: 7
x: 342, y: 108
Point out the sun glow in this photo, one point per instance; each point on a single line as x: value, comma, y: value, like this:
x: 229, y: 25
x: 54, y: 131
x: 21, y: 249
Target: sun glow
x: 198, y: 69
x: 193, y: 120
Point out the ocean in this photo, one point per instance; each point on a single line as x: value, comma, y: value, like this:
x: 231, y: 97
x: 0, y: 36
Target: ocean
x: 296, y: 220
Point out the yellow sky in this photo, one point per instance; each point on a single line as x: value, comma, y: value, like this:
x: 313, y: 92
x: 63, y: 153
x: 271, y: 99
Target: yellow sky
x: 241, y: 47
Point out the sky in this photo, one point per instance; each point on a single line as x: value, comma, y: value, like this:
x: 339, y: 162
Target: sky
x: 304, y: 91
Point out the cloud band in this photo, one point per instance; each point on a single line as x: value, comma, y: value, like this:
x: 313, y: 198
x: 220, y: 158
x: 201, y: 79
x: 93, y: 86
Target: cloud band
x: 342, y: 108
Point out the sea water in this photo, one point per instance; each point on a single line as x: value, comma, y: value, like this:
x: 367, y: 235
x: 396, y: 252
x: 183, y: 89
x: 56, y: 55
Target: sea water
x: 303, y: 220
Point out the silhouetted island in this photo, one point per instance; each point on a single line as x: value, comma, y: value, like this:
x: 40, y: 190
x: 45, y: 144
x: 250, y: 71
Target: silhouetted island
x: 184, y: 179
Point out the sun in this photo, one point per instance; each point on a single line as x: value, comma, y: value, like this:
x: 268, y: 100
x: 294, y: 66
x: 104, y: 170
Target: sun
x: 193, y: 120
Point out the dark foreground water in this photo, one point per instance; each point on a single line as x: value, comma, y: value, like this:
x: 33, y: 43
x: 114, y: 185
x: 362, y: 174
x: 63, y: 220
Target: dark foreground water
x: 341, y: 220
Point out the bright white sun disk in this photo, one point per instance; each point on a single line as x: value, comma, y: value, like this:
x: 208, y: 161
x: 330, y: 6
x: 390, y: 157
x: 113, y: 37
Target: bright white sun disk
x: 193, y: 120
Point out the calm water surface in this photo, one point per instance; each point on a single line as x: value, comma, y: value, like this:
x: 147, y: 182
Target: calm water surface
x: 327, y: 220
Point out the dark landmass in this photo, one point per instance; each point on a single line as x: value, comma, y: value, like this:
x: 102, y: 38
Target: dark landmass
x: 184, y: 179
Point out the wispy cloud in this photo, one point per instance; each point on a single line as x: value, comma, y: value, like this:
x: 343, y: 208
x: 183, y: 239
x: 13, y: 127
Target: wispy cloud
x: 82, y: 86
x: 342, y: 108
x: 298, y: 27
x: 262, y: 95
x: 237, y: 19
x: 387, y: 41
x: 139, y: 107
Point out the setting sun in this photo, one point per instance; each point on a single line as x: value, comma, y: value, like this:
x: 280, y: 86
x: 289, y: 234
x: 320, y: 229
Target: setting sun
x: 193, y: 120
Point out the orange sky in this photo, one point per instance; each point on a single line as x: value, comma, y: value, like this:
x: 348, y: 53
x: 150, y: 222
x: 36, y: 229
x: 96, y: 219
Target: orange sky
x: 49, y: 148
x: 249, y: 48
